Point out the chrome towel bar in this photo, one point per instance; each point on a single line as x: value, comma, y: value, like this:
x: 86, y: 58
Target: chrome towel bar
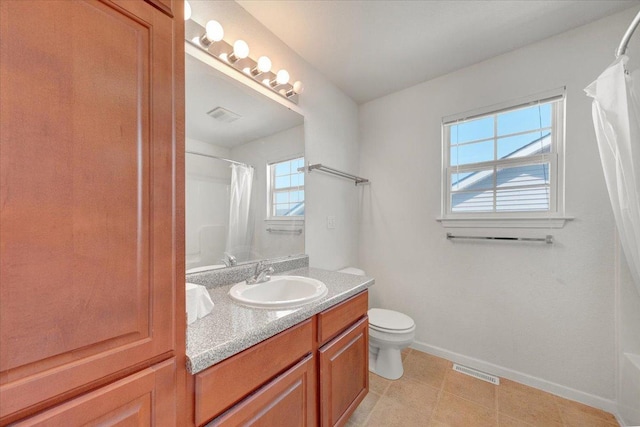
x: 547, y: 239
x: 285, y: 230
x: 322, y: 168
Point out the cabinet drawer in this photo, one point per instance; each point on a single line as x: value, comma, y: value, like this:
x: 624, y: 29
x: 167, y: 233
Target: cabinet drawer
x: 287, y: 401
x: 225, y: 384
x: 145, y: 398
x: 336, y: 319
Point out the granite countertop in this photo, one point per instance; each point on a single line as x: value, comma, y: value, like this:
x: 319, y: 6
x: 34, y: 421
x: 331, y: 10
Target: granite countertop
x: 231, y: 327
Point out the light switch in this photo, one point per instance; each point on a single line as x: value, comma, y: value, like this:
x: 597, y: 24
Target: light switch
x: 331, y: 221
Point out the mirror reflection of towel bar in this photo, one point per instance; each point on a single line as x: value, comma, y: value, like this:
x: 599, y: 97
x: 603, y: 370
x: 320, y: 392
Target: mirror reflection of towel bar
x: 547, y: 239
x: 284, y: 230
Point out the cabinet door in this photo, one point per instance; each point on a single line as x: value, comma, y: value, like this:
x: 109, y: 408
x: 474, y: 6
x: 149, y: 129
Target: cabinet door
x: 87, y: 196
x: 287, y: 401
x: 344, y: 374
x: 144, y: 399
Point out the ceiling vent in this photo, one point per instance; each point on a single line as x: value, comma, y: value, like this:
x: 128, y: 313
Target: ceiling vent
x: 223, y: 115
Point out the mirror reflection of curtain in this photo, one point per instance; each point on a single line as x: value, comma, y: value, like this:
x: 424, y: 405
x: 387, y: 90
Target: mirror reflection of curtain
x: 616, y: 120
x: 240, y: 233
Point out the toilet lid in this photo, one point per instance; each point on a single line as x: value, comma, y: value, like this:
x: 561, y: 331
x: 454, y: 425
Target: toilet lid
x: 380, y: 318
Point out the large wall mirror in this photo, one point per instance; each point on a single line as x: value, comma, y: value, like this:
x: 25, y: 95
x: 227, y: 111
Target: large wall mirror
x: 244, y: 194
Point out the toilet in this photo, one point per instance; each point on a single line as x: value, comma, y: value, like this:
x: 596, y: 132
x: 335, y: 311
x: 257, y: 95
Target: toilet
x: 389, y: 333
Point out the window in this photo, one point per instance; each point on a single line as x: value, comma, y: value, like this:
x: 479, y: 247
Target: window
x: 286, y: 189
x: 505, y: 163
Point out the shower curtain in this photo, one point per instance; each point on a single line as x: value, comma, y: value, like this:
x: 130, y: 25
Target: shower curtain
x: 240, y: 222
x: 616, y: 121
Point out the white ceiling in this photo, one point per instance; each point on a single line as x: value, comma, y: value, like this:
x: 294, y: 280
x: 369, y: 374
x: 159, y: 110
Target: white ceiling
x: 373, y: 48
x: 206, y: 88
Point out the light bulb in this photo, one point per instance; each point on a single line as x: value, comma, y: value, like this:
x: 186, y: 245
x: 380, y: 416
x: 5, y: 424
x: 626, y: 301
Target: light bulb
x: 187, y: 10
x: 240, y: 49
x: 282, y: 78
x: 264, y: 64
x: 298, y: 87
x: 215, y: 33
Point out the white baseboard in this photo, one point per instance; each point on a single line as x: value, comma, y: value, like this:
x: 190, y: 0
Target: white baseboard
x: 553, y: 388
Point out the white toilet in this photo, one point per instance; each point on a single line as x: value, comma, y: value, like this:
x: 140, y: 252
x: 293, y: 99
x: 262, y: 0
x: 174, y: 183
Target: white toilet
x: 389, y: 333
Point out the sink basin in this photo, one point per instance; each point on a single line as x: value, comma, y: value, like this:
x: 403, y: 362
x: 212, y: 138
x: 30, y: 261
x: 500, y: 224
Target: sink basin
x: 279, y: 292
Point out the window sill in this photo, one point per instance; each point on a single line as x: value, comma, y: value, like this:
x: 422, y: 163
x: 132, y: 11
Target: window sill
x: 504, y: 222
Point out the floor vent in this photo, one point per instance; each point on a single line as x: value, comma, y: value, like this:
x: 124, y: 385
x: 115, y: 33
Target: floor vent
x: 477, y: 374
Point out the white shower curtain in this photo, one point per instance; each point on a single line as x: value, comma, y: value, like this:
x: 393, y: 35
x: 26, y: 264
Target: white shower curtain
x: 615, y: 117
x: 240, y: 227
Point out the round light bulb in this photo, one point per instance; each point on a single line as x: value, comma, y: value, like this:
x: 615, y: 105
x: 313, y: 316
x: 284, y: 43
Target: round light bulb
x: 264, y: 64
x: 215, y: 33
x: 187, y: 10
x: 282, y: 78
x: 240, y: 49
x: 298, y: 87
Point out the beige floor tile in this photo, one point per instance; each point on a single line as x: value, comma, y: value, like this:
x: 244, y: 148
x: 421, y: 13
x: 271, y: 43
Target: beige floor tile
x: 390, y: 412
x: 577, y: 414
x: 507, y: 421
x: 405, y: 352
x: 377, y: 384
x: 420, y: 397
x: 527, y: 404
x: 456, y: 411
x: 431, y: 394
x: 426, y: 368
x: 436, y: 423
x: 473, y: 389
x: 362, y: 412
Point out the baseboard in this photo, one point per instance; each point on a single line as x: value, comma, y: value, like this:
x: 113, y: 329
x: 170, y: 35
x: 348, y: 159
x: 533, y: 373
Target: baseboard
x: 553, y: 388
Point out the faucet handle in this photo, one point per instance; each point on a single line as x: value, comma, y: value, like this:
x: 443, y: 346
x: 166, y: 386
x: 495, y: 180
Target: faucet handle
x: 229, y: 260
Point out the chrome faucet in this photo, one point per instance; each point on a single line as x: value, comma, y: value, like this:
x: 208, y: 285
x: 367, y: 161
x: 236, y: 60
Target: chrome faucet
x: 229, y: 260
x: 260, y: 275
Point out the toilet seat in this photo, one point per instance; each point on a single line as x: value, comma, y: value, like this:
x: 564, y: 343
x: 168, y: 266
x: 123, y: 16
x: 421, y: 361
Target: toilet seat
x: 390, y: 321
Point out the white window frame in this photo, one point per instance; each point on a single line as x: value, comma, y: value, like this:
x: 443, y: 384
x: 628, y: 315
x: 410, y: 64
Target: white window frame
x: 555, y: 216
x: 270, y: 191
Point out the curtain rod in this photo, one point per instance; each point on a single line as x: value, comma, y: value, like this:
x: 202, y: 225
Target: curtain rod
x: 218, y: 158
x: 622, y: 49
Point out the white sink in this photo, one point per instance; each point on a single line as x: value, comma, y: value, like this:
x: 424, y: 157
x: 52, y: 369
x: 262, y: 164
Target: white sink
x: 280, y: 292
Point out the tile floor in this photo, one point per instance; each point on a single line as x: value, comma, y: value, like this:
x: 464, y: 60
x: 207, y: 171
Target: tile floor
x: 432, y: 394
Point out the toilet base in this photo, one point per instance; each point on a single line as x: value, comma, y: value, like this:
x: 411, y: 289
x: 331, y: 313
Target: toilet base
x: 386, y: 362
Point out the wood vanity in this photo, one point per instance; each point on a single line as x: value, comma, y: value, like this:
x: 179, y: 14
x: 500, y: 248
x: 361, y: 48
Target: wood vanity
x: 314, y: 373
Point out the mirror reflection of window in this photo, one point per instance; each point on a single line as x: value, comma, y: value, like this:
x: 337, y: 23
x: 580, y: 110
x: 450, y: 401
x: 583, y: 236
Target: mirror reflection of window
x: 265, y: 131
x: 286, y: 189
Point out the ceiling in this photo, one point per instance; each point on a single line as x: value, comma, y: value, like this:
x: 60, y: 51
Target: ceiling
x: 206, y: 88
x: 372, y: 48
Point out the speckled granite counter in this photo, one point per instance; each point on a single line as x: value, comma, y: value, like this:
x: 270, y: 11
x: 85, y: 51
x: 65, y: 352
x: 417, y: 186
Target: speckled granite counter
x: 231, y: 327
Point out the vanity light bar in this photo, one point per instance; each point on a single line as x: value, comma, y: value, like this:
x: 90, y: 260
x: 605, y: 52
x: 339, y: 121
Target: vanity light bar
x: 210, y: 40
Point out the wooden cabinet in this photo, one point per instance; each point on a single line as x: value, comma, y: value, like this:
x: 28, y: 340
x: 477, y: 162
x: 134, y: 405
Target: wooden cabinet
x: 145, y: 398
x: 344, y: 374
x: 343, y: 358
x: 91, y: 276
x: 321, y: 364
x: 225, y: 384
x: 287, y: 401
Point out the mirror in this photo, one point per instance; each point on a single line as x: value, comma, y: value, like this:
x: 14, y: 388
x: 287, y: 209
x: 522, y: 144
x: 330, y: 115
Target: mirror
x: 244, y: 194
